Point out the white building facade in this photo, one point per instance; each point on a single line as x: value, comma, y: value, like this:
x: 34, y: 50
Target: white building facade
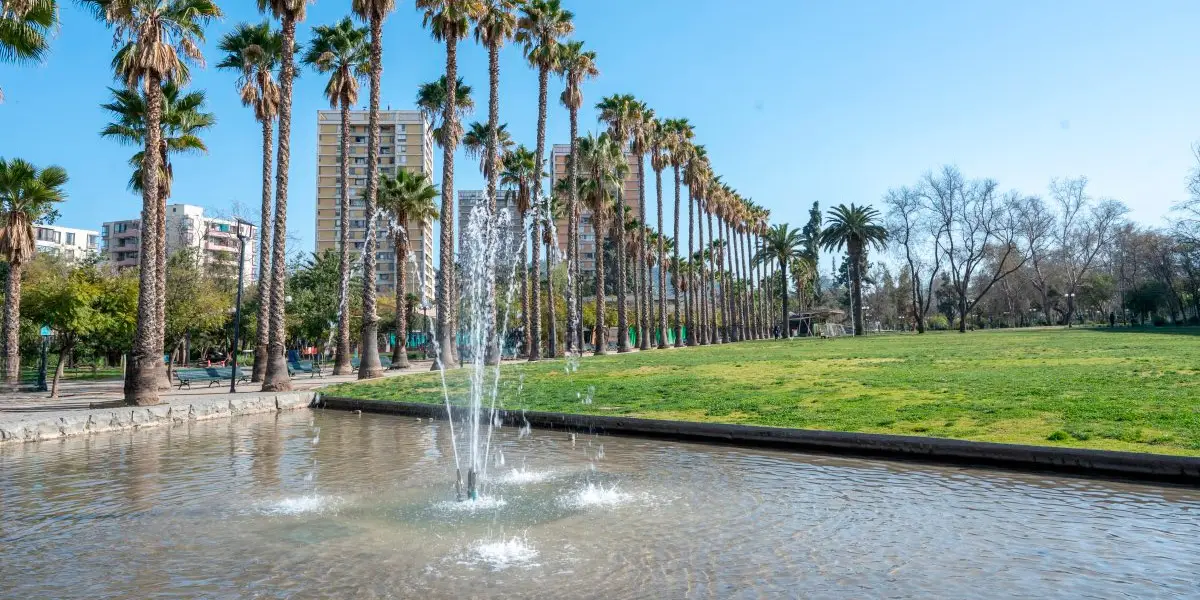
x: 67, y: 242
x: 213, y: 239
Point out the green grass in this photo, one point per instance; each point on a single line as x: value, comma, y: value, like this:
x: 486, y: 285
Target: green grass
x: 1115, y: 390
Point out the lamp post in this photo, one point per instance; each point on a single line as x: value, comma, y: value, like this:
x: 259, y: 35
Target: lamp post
x: 41, y: 381
x: 1070, y: 307
x: 243, y: 232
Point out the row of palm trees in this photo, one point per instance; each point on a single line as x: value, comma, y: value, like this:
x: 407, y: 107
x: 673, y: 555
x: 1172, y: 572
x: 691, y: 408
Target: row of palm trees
x: 721, y: 288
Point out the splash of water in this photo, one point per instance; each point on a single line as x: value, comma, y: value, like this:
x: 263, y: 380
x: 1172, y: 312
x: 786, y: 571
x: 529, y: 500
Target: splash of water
x: 501, y: 554
x: 596, y: 495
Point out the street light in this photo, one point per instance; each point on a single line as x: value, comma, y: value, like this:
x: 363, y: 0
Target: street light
x: 243, y: 232
x: 1070, y: 307
x: 41, y: 382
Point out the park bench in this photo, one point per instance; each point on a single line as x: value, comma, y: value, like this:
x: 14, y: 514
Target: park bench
x: 305, y: 366
x: 209, y: 375
x: 384, y: 361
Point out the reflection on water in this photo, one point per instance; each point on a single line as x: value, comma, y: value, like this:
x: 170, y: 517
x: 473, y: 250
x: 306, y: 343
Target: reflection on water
x: 335, y: 505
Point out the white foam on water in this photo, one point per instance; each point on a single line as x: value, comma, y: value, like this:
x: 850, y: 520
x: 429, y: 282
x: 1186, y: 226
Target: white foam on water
x: 523, y: 475
x: 480, y: 503
x: 502, y: 554
x: 297, y: 505
x: 596, y: 495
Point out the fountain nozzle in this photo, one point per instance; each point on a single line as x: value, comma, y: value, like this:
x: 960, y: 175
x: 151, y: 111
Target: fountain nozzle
x: 472, y: 493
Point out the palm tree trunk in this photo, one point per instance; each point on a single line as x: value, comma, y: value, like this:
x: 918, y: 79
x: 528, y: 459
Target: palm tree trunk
x: 264, y: 256
x: 714, y: 335
x: 277, y: 379
x: 141, y: 381
x: 445, y: 291
x: 643, y: 275
x: 551, y: 328
x: 675, y: 270
x: 574, y: 312
x: 341, y: 361
x: 12, y: 326
x: 785, y: 321
x: 400, y: 349
x: 160, y: 306
x: 538, y: 208
x: 618, y: 234
x: 493, y: 176
x: 702, y: 278
x: 369, y: 365
x: 527, y: 328
x: 855, y: 252
x: 600, y: 332
x: 662, y: 264
x: 535, y: 283
x: 748, y: 295
x: 690, y: 298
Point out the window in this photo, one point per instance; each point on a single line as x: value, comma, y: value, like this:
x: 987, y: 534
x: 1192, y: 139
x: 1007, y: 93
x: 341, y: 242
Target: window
x: 358, y: 222
x: 358, y: 245
x: 589, y: 255
x: 360, y: 181
x: 359, y: 139
x: 70, y: 239
x: 587, y: 237
x: 121, y: 227
x: 385, y: 149
x: 93, y: 241
x: 404, y: 159
x: 359, y: 160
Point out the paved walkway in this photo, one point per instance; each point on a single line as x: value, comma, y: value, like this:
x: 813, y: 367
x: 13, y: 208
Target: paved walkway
x: 108, y: 393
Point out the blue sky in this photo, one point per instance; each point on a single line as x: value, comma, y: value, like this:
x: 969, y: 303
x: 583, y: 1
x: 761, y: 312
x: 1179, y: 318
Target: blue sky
x: 796, y: 101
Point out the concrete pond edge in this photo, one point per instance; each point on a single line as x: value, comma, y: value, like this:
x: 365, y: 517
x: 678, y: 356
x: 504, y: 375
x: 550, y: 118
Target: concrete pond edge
x: 1079, y: 461
x: 82, y: 422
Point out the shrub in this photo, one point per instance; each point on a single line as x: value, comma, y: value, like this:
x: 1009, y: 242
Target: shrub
x: 1059, y: 436
x: 939, y: 323
x: 1159, y: 320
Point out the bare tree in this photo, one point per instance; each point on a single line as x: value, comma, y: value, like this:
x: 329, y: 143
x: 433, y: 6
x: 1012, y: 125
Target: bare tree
x: 1041, y: 221
x: 917, y: 237
x: 1085, y: 229
x: 982, y: 234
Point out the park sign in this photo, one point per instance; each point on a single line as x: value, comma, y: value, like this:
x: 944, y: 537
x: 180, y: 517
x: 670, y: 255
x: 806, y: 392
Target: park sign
x: 45, y: 331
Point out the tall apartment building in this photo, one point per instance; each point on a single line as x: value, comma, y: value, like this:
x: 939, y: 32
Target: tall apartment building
x: 69, y: 243
x: 468, y: 199
x: 405, y: 142
x: 214, y: 240
x: 587, y: 235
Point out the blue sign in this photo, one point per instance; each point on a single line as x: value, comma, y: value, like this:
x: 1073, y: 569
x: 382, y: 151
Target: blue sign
x: 45, y: 331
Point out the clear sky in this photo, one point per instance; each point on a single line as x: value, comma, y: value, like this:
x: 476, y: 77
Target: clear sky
x: 796, y: 101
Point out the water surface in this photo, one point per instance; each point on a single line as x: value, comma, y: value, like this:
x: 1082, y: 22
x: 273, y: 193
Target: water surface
x: 334, y: 505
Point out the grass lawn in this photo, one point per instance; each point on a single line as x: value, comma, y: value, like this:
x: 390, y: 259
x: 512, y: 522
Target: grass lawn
x: 1134, y: 390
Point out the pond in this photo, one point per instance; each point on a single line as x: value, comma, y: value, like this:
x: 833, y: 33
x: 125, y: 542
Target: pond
x: 324, y: 504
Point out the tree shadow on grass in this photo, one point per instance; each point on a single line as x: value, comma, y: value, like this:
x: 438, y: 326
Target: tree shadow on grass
x: 1162, y: 330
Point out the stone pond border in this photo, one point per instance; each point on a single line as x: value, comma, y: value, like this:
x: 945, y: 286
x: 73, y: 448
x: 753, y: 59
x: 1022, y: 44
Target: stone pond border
x: 1094, y: 463
x: 59, y: 425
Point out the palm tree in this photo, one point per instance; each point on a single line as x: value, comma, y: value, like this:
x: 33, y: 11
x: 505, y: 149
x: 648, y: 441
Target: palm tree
x: 477, y: 142
x: 156, y: 39
x: 431, y: 101
x: 518, y: 175
x: 781, y: 245
x: 289, y: 13
x: 542, y: 24
x: 804, y: 272
x: 711, y: 194
x: 856, y: 228
x: 620, y: 112
x: 27, y: 196
x: 25, y: 29
x: 182, y: 122
x: 449, y: 22
x: 555, y: 209
x: 341, y: 50
x: 255, y: 51
x: 641, y: 134
x: 406, y: 198
x: 678, y: 144
x: 696, y: 177
x: 659, y: 160
x: 576, y: 66
x: 373, y: 12
x: 604, y: 166
x: 494, y: 25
